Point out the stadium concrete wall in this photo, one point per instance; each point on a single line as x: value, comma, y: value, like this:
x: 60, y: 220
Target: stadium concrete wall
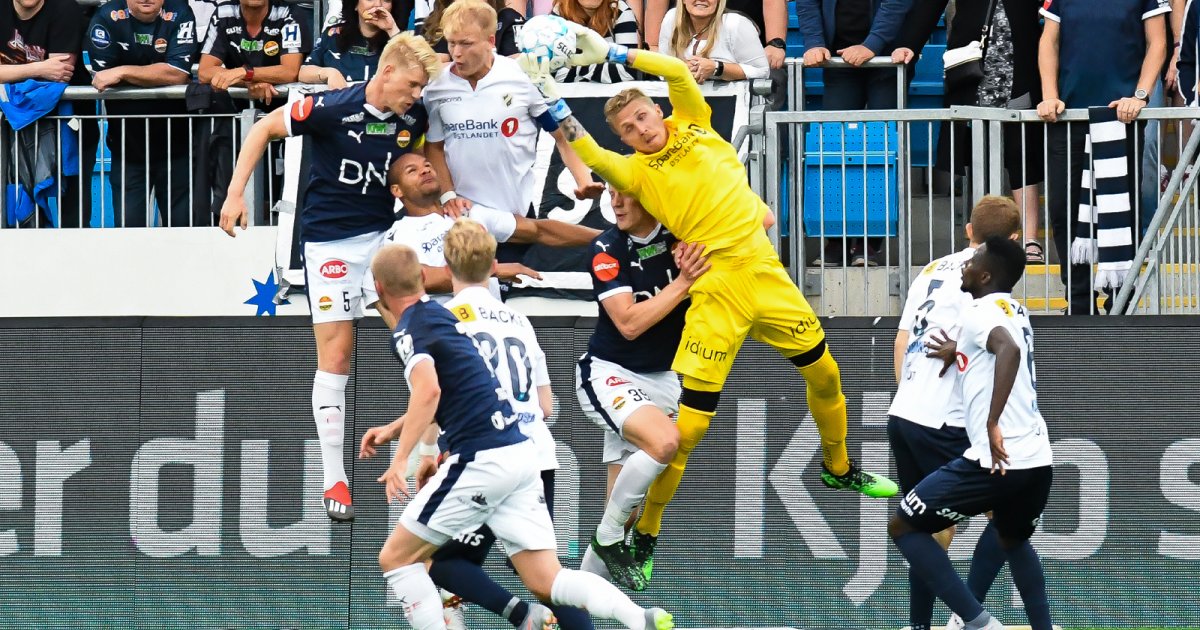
x: 163, y: 473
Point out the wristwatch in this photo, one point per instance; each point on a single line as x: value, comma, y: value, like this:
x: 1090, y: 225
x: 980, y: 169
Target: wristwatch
x: 778, y: 43
x: 1142, y: 95
x: 720, y: 71
x: 249, y: 73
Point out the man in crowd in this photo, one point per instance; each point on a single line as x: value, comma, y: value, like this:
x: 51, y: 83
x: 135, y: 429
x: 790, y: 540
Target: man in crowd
x: 1077, y: 73
x: 255, y: 44
x: 147, y: 43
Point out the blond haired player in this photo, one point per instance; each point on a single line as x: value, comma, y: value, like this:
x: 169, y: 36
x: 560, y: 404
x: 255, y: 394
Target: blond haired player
x: 357, y: 133
x: 692, y: 181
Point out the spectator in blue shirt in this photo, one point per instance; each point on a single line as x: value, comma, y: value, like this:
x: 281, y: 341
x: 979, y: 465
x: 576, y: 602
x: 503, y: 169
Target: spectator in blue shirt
x: 349, y: 51
x: 856, y: 30
x: 1093, y: 54
x: 147, y: 43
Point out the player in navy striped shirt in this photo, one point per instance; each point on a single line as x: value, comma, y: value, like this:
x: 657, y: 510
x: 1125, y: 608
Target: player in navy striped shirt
x: 357, y: 133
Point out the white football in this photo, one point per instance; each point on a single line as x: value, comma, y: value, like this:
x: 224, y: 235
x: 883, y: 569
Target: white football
x: 548, y: 37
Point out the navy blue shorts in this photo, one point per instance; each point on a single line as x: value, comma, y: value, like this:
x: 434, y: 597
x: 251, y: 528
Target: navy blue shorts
x: 920, y: 450
x: 963, y: 488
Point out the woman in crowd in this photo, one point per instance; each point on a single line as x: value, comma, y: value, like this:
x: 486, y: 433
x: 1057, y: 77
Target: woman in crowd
x: 507, y: 22
x: 1010, y: 80
x: 715, y: 44
x: 613, y: 19
x: 348, y: 51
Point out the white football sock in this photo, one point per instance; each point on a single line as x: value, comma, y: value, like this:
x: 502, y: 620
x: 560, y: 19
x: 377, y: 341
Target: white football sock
x: 598, y: 597
x: 329, y: 413
x: 639, y: 471
x: 418, y: 595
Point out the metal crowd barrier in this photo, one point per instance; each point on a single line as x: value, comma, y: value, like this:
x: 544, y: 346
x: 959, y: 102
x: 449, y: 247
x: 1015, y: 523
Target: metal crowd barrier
x: 131, y: 149
x: 849, y: 177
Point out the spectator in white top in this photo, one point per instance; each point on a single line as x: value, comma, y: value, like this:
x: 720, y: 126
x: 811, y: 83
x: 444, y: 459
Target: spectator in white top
x: 716, y: 45
x: 615, y: 21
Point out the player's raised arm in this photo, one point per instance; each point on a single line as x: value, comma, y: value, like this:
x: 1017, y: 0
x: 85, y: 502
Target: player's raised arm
x: 686, y: 99
x: 611, y: 166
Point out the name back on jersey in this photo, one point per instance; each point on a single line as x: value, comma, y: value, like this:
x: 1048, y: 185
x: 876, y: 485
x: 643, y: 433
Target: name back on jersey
x: 474, y: 411
x: 1025, y: 438
x: 354, y: 145
x: 644, y: 267
x: 933, y: 309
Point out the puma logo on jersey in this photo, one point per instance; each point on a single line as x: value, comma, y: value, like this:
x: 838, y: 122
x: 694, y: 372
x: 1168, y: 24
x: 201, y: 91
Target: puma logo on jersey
x: 357, y: 136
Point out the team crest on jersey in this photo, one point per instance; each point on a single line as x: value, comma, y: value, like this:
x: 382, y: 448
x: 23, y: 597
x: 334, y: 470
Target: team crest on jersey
x: 605, y: 267
x: 615, y: 381
x: 1003, y: 304
x: 325, y: 303
x: 507, y: 98
x: 464, y: 313
x: 403, y: 138
x: 618, y: 402
x: 100, y: 37
x: 160, y: 45
x: 118, y: 15
x: 271, y: 49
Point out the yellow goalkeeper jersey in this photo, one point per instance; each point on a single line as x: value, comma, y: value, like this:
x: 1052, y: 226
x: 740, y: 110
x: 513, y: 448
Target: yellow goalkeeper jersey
x: 695, y: 186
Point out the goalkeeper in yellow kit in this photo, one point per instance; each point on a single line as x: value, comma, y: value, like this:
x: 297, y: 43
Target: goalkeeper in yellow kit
x: 692, y: 181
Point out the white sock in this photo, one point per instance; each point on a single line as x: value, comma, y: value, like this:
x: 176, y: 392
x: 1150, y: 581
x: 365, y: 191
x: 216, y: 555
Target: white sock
x: 639, y: 471
x: 593, y: 564
x: 329, y: 413
x: 598, y: 597
x: 418, y: 595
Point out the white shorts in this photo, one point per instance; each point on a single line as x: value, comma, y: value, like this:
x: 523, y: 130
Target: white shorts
x: 499, y: 487
x: 609, y: 394
x: 337, y: 276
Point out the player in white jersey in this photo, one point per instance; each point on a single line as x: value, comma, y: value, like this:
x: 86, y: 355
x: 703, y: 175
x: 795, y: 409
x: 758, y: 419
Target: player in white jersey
x: 490, y: 476
x: 413, y: 180
x: 484, y: 119
x: 926, y: 427
x: 1008, y: 467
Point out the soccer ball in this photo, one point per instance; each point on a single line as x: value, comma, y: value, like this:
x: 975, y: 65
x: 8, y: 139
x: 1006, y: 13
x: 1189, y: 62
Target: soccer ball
x: 548, y: 37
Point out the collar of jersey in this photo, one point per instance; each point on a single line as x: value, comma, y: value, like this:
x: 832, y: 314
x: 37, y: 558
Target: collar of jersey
x: 471, y: 291
x: 370, y: 109
x: 649, y: 237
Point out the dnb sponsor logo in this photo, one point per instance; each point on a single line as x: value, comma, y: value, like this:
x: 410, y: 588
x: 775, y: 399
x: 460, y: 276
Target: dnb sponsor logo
x: 334, y: 269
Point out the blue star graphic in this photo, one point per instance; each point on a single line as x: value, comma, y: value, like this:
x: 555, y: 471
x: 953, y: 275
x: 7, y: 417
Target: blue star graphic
x: 264, y: 296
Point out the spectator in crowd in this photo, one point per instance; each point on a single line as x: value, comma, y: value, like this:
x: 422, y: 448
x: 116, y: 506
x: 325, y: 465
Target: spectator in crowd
x: 146, y: 43
x: 1010, y: 81
x: 615, y: 21
x: 769, y: 17
x: 42, y: 42
x: 508, y: 20
x: 1154, y: 174
x: 1078, y: 73
x: 253, y: 43
x: 856, y: 30
x: 349, y: 51
x: 716, y: 44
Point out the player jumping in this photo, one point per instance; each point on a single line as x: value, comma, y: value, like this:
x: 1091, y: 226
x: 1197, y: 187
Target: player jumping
x: 356, y: 132
x: 692, y: 181
x: 624, y: 381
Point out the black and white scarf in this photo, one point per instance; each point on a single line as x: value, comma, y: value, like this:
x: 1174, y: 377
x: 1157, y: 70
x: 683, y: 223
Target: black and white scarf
x: 1104, y: 226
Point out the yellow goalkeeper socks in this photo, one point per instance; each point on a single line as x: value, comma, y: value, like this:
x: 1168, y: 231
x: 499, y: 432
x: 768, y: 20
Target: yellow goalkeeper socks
x: 828, y: 407
x: 692, y: 425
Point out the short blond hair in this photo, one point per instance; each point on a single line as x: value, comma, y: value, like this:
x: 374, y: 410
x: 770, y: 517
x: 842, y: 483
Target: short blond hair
x: 465, y: 13
x: 407, y: 49
x: 470, y: 251
x: 397, y: 270
x: 623, y: 99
